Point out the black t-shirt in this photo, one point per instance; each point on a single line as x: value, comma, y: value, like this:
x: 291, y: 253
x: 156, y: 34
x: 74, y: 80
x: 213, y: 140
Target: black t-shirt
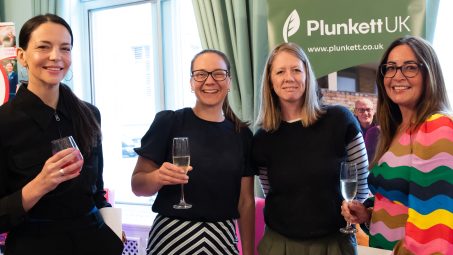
x: 303, y: 165
x: 220, y: 157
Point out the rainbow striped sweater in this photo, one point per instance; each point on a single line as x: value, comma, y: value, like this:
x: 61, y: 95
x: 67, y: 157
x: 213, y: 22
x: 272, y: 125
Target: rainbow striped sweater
x: 413, y: 187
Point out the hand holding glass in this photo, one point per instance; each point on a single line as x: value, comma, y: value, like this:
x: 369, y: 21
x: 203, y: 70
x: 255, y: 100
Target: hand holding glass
x: 348, y: 184
x: 64, y: 143
x: 181, y: 158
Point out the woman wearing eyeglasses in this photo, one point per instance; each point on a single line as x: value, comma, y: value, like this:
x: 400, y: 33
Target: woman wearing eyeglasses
x: 412, y: 174
x: 220, y: 185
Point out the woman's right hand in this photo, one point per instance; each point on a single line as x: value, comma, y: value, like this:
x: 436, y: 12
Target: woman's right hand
x: 170, y: 174
x: 148, y: 177
x: 355, y: 212
x: 64, y: 165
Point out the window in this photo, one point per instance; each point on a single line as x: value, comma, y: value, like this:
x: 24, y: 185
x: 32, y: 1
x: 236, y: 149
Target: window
x: 140, y: 55
x: 347, y: 84
x: 443, y: 42
x: 124, y: 74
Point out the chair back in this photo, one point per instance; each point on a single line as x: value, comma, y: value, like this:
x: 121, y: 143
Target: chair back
x: 259, y: 225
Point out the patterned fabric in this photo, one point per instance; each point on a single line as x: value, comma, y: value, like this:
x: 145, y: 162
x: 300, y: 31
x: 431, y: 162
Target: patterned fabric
x: 218, y: 167
x: 172, y: 236
x: 413, y: 187
x: 357, y: 154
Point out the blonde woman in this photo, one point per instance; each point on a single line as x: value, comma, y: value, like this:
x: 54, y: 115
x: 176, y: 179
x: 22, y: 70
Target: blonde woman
x: 298, y: 150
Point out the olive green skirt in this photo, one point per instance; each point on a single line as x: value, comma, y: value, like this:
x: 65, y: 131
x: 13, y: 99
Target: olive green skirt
x: 274, y: 243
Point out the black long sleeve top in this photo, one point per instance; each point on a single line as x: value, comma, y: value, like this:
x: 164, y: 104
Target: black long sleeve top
x: 27, y: 126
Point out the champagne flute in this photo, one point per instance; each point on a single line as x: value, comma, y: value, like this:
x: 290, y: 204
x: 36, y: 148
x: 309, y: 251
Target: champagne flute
x: 348, y: 184
x: 181, y: 158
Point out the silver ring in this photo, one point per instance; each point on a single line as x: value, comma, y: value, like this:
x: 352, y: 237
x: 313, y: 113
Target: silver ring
x: 61, y: 171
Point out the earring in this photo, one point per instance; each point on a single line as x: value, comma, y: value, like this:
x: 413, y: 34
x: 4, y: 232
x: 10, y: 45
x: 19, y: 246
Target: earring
x: 70, y: 78
x: 24, y: 73
x: 228, y: 90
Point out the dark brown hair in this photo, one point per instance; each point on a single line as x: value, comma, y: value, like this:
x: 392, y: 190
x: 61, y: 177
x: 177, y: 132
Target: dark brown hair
x: 433, y: 99
x: 227, y: 111
x: 32, y: 24
x: 86, y: 127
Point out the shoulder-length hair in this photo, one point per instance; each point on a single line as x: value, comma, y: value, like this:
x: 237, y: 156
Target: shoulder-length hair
x: 433, y: 99
x: 270, y: 115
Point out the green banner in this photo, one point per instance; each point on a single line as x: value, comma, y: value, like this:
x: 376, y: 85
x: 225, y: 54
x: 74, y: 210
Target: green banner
x: 342, y: 34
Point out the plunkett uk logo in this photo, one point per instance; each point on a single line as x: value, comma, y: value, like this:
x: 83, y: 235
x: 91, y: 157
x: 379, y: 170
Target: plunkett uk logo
x: 291, y: 26
x: 396, y: 24
x: 351, y: 27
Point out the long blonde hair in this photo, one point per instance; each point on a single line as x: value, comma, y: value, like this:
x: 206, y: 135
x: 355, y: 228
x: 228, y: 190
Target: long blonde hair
x: 434, y: 98
x: 269, y: 117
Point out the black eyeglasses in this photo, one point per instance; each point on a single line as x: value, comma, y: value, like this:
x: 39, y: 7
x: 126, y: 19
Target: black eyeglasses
x: 363, y: 110
x: 409, y: 70
x: 218, y: 75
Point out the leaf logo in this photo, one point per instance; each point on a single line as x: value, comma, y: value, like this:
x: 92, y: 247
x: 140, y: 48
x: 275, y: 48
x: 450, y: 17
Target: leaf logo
x: 291, y: 26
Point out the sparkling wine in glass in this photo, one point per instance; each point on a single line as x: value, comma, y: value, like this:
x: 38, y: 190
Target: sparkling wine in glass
x: 181, y: 158
x: 348, y: 185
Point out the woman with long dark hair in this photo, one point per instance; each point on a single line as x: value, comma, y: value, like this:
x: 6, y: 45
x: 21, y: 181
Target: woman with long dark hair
x: 411, y: 174
x: 49, y: 203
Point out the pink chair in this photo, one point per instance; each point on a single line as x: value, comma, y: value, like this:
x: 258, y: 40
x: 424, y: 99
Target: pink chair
x: 259, y: 224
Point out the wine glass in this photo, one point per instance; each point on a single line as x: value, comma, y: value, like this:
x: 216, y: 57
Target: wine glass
x: 63, y: 143
x: 181, y: 158
x: 348, y: 184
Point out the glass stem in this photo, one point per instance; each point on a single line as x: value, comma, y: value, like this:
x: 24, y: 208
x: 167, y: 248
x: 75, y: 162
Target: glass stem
x: 182, y: 194
x: 348, y: 225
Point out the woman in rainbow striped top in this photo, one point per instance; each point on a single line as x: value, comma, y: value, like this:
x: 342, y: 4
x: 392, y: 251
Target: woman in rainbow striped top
x: 412, y: 172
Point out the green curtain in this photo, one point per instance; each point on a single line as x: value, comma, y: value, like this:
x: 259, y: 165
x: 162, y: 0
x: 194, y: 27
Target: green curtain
x: 239, y: 29
x: 432, y: 7
x: 60, y: 8
x: 49, y: 6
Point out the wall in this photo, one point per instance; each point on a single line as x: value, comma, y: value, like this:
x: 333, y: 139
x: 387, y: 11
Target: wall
x: 345, y: 98
x: 366, y: 78
x: 17, y: 11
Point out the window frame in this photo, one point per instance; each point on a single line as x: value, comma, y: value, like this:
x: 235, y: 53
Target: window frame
x: 163, y: 26
x: 85, y: 86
